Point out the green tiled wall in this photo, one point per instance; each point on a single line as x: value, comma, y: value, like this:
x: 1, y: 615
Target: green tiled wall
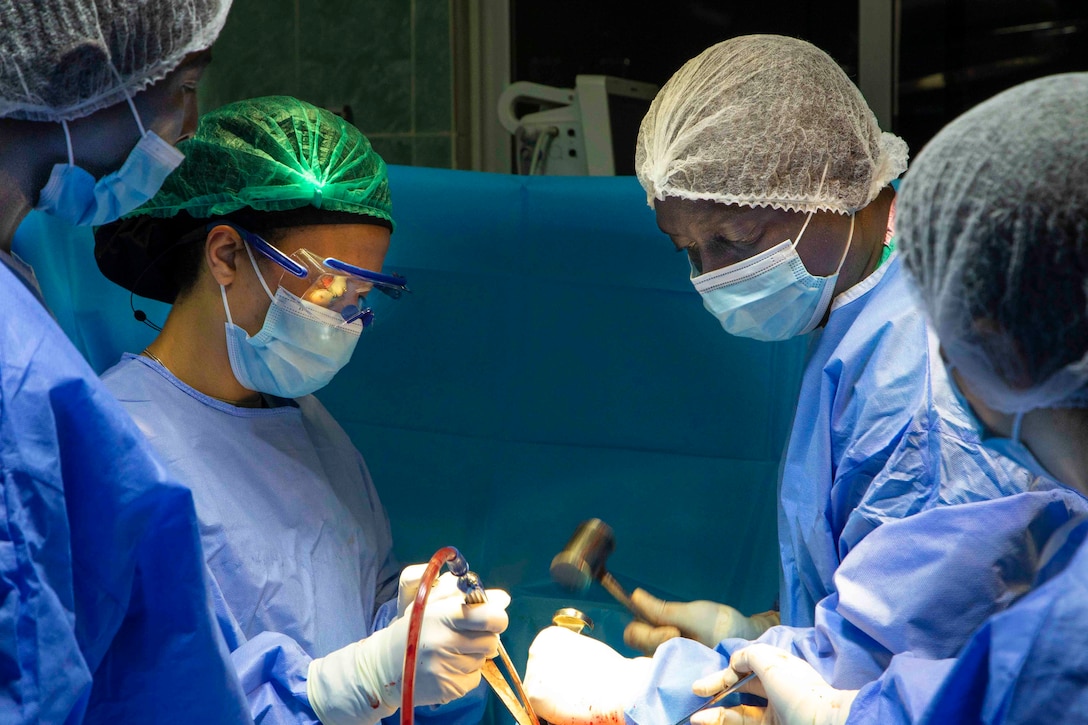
x: 389, y: 60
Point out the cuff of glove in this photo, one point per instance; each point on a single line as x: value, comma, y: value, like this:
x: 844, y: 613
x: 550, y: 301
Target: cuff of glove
x: 336, y: 693
x: 760, y: 623
x: 749, y: 628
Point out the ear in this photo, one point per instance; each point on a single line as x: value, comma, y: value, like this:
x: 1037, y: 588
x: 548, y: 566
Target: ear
x: 223, y: 250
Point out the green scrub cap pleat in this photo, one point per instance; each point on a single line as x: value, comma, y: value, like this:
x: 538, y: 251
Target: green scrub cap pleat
x: 273, y: 154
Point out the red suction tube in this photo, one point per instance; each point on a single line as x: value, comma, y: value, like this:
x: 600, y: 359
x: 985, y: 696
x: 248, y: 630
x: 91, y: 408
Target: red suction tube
x: 415, y: 624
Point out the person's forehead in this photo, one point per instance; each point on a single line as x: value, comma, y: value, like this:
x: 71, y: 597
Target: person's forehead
x: 196, y: 60
x: 676, y: 216
x: 352, y: 243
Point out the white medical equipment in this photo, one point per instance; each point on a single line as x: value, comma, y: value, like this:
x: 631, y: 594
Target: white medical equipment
x: 586, y: 130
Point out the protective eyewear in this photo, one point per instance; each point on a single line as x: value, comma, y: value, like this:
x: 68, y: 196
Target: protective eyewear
x: 334, y: 284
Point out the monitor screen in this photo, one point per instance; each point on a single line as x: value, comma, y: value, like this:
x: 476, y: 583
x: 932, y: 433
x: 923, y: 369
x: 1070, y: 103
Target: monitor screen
x: 611, y: 110
x: 625, y: 116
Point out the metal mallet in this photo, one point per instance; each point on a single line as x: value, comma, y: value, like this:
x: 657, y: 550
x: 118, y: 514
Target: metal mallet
x: 582, y: 561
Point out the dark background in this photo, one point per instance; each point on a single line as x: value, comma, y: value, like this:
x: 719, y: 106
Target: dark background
x: 953, y: 53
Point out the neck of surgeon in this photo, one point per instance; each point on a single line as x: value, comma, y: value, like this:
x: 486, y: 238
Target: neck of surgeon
x: 192, y: 345
x: 863, y: 258
x: 26, y: 158
x: 1058, y: 438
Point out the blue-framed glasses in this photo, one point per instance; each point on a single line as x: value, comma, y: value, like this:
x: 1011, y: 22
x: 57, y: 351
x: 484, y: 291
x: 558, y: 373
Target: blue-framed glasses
x: 334, y: 284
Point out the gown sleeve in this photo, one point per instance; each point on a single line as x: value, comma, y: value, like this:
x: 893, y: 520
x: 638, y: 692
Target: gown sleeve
x: 924, y: 584
x: 906, y: 599
x: 105, y: 614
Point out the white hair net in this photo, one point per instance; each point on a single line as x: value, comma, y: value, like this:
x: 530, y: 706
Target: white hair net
x: 993, y: 224
x: 765, y: 120
x: 64, y: 59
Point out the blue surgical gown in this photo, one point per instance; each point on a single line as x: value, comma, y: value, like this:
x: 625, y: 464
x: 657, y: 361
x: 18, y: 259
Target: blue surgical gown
x: 878, y: 436
x: 296, y: 538
x: 1026, y: 664
x: 105, y: 614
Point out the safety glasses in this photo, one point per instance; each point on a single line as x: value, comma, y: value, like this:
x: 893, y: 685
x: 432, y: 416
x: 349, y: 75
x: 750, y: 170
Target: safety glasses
x: 333, y: 283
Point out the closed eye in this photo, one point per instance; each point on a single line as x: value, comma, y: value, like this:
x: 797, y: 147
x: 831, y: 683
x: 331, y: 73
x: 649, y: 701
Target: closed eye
x: 721, y: 240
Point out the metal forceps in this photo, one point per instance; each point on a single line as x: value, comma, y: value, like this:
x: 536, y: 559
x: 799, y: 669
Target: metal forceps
x: 521, y: 710
x: 716, y: 699
x: 523, y: 713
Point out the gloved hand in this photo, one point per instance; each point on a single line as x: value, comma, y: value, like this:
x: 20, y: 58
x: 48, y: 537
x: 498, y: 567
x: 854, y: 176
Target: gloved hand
x: 361, y: 683
x: 795, y: 692
x: 573, y: 679
x: 702, y: 621
x: 411, y: 576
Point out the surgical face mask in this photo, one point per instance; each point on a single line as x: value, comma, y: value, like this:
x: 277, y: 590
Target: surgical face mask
x: 771, y: 296
x: 73, y: 195
x: 298, y: 350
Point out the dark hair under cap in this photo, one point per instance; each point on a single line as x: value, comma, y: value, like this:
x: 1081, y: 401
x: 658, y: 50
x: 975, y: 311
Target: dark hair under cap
x: 264, y: 163
x: 159, y: 258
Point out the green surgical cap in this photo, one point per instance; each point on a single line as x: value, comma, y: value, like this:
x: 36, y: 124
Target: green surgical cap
x: 274, y: 154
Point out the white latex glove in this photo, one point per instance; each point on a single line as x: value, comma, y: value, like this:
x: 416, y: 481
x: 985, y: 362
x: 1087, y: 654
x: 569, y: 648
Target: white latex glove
x: 361, y: 683
x: 573, y: 679
x: 702, y: 621
x: 411, y: 576
x: 796, y: 694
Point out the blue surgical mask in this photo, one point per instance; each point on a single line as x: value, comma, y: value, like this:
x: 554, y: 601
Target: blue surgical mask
x: 297, y: 351
x: 72, y: 194
x: 771, y: 296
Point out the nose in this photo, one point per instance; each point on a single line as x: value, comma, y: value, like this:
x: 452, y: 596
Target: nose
x: 192, y: 113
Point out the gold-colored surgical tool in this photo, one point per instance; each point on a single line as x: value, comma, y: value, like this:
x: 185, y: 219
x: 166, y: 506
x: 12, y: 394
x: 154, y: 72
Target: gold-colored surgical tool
x: 522, y: 711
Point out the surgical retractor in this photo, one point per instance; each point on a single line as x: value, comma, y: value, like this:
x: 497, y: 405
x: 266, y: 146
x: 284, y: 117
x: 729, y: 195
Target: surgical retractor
x: 582, y: 561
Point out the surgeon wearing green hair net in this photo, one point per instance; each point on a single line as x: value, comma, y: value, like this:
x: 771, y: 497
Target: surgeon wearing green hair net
x: 269, y: 241
x: 764, y: 164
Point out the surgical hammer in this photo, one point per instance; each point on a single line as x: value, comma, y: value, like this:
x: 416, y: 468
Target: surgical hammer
x: 582, y: 561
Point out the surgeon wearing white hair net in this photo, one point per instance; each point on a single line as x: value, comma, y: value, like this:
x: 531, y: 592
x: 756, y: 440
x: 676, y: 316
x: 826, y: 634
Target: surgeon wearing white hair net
x: 762, y: 160
x: 106, y: 614
x: 994, y: 230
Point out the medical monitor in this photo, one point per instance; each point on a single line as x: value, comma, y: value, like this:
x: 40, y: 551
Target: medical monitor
x: 590, y: 129
x: 612, y: 110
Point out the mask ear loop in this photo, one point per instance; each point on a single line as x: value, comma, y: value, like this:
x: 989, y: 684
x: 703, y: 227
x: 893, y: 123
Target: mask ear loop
x: 1017, y: 421
x: 809, y: 217
x: 846, y: 251
x: 131, y: 105
x: 260, y: 277
x: 803, y: 228
x: 68, y: 142
x: 226, y: 306
x: 258, y: 271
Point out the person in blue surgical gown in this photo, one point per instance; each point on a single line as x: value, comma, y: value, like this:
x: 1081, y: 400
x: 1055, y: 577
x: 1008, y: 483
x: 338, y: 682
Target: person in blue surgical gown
x: 105, y: 614
x: 994, y: 228
x: 269, y: 241
x: 763, y: 162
